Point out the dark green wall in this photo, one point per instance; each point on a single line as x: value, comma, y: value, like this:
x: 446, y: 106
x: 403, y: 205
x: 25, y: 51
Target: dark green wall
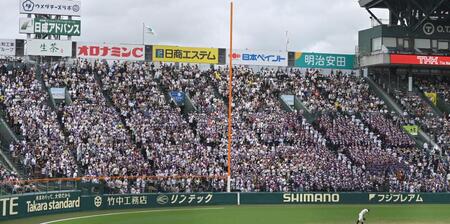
x: 19, y: 206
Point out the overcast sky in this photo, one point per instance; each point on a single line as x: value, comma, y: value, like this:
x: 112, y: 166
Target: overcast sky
x: 312, y: 25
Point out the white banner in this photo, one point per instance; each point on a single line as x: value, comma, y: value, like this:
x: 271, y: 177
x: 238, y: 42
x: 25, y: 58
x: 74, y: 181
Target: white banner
x: 58, y: 48
x: 51, y: 7
x: 7, y: 47
x: 289, y: 99
x: 58, y: 93
x: 111, y: 51
x: 263, y: 58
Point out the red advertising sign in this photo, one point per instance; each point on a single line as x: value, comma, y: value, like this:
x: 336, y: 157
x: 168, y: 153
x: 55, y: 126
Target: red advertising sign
x: 111, y: 51
x: 420, y: 60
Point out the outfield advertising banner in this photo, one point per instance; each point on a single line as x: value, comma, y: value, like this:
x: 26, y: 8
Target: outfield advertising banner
x: 399, y: 198
x: 401, y: 59
x: 39, y: 204
x: 300, y: 198
x: 185, y: 54
x: 51, y: 7
x: 42, y: 47
x: 7, y: 47
x: 262, y: 58
x: 111, y: 51
x: 158, y: 200
x: 19, y: 206
x: 344, y: 198
x: 324, y: 60
x: 50, y: 26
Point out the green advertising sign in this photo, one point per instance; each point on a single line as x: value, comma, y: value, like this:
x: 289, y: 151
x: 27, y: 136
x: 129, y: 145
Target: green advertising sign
x: 20, y: 206
x: 39, y: 204
x: 302, y: 198
x: 344, y: 198
x: 324, y: 60
x: 158, y: 200
x: 50, y: 26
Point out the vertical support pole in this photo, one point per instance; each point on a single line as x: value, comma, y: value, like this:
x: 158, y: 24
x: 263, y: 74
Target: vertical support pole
x: 230, y: 100
x: 143, y: 33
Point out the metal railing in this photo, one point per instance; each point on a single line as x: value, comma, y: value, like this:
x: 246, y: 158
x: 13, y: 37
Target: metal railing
x: 116, y: 184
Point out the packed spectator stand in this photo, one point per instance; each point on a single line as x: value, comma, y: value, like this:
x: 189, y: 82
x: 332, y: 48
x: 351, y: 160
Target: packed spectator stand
x: 417, y: 111
x: 122, y: 123
x: 439, y: 127
x: 42, y: 148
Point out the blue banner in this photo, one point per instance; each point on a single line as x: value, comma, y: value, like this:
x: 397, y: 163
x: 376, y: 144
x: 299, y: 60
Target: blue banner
x: 178, y: 97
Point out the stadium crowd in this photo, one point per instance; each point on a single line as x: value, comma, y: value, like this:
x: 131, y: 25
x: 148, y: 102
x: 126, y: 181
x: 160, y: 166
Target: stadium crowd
x: 352, y: 137
x: 426, y: 170
x: 159, y: 127
x: 334, y: 91
x: 439, y: 86
x: 439, y: 127
x: 8, y: 181
x: 96, y: 132
x: 418, y: 112
x: 122, y: 122
x: 41, y: 147
x: 277, y: 150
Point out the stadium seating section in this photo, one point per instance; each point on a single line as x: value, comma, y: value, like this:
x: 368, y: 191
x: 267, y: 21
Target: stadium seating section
x: 121, y: 122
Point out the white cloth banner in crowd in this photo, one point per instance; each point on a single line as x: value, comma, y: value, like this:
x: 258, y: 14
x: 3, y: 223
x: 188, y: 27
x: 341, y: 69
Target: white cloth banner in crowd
x: 58, y: 93
x: 262, y: 58
x: 289, y: 99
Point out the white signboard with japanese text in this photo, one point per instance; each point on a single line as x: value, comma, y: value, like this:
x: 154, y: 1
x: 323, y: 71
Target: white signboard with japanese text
x: 57, y: 48
x: 50, y: 7
x: 7, y: 47
x: 128, y: 52
x: 262, y: 58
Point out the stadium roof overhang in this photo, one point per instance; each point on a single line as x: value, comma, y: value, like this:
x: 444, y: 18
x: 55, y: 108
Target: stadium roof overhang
x: 437, y: 5
x: 372, y: 4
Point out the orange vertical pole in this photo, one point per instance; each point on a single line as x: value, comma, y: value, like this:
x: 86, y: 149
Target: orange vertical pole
x: 230, y: 96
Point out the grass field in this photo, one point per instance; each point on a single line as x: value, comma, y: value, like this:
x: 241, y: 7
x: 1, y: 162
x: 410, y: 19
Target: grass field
x: 343, y: 214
